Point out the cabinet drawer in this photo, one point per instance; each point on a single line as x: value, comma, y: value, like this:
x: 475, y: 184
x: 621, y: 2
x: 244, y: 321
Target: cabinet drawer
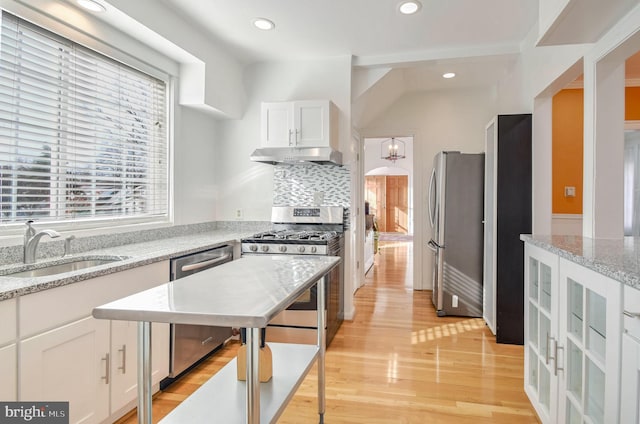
x: 8, y: 320
x: 632, y: 306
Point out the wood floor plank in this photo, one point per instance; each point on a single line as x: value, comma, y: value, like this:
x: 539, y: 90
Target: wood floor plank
x: 397, y: 362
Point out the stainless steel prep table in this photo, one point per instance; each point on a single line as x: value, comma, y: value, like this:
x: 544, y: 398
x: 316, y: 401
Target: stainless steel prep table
x: 247, y: 292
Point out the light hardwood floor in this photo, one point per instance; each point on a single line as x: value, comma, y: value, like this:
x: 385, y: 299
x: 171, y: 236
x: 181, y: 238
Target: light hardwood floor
x: 397, y: 362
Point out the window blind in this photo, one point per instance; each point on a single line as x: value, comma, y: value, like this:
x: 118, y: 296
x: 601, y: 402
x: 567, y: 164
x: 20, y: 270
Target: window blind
x: 82, y: 137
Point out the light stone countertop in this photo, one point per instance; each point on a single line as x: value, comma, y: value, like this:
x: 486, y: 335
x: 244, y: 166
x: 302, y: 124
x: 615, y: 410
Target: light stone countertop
x: 247, y: 292
x: 618, y: 259
x: 134, y: 255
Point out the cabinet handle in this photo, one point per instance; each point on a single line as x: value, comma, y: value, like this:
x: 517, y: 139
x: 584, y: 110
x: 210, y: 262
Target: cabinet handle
x: 290, y: 134
x: 123, y: 367
x: 546, y: 354
x: 632, y: 314
x: 556, y: 368
x: 107, y: 369
x: 297, y: 138
x: 207, y: 340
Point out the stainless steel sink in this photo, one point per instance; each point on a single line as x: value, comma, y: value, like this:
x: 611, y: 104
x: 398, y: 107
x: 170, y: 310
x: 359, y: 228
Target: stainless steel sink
x: 59, y: 268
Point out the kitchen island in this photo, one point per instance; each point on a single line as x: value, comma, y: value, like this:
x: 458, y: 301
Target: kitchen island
x: 247, y: 292
x: 582, y: 310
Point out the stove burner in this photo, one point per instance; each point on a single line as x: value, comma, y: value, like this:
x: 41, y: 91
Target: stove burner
x: 295, y: 235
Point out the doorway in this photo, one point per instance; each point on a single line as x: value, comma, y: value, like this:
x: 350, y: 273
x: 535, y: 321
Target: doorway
x: 388, y: 198
x: 388, y: 193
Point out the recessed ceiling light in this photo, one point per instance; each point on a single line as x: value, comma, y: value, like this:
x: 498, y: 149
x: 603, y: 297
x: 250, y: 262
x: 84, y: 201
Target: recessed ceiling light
x: 448, y: 75
x: 263, y: 24
x: 91, y: 5
x: 409, y: 7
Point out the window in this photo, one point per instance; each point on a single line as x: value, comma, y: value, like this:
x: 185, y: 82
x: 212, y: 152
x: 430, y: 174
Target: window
x: 82, y: 137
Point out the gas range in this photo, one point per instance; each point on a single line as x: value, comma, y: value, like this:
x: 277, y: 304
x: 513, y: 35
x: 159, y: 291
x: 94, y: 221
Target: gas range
x: 300, y: 231
x: 309, y: 230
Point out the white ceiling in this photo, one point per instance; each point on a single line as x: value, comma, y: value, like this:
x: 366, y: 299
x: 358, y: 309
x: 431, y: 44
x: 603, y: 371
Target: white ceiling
x: 435, y: 38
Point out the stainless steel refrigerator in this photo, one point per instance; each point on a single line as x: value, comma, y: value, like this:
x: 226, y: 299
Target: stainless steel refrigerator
x: 456, y: 207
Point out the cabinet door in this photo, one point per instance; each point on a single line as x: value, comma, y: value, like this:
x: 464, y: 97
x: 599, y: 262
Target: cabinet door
x: 70, y: 363
x: 312, y: 123
x: 8, y: 367
x: 589, y: 323
x: 541, y: 312
x: 630, y: 380
x: 124, y: 366
x: 277, y: 125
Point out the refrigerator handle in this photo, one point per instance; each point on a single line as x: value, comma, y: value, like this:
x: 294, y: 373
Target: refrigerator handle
x: 431, y: 214
x: 433, y: 246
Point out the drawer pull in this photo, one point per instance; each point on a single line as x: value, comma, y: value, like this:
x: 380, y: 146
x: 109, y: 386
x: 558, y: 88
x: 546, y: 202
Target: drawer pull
x: 632, y: 314
x: 207, y: 340
x: 107, y: 369
x: 123, y: 367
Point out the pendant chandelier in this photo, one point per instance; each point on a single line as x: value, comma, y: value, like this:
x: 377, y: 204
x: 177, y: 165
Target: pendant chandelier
x: 392, y: 149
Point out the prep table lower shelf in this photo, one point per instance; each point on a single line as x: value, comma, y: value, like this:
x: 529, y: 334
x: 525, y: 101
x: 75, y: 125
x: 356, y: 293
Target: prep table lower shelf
x: 223, y: 398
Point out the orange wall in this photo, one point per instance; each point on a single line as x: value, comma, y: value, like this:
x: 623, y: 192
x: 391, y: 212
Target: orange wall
x: 567, y: 132
x: 632, y: 104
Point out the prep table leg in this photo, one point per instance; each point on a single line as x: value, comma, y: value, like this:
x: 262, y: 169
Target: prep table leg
x: 144, y: 373
x: 322, y: 343
x: 253, y: 376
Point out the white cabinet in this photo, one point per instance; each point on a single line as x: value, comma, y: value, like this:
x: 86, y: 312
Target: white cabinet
x: 124, y: 367
x: 8, y: 359
x: 8, y: 371
x: 69, y: 363
x: 67, y: 355
x: 304, y: 123
x: 589, y: 345
x: 8, y: 320
x: 572, y: 340
x: 541, y: 315
x: 630, y: 378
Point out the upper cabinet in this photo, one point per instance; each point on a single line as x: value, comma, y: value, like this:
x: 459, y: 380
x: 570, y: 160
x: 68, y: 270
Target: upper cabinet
x: 578, y: 21
x: 304, y: 123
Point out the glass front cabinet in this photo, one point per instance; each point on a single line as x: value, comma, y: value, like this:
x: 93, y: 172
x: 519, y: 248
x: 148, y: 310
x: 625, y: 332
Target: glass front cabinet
x: 572, y: 340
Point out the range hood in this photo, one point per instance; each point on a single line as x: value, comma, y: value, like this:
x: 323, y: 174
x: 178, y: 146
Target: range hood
x: 320, y: 155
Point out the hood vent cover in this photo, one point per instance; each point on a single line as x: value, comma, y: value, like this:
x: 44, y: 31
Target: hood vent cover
x: 320, y: 155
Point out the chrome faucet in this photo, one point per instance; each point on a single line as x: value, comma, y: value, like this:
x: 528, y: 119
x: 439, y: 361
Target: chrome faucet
x: 31, y: 240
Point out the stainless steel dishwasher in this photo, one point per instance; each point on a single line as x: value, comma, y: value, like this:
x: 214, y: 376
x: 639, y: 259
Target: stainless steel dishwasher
x: 190, y: 343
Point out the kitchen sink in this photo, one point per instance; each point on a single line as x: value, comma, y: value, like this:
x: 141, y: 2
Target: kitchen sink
x: 40, y: 270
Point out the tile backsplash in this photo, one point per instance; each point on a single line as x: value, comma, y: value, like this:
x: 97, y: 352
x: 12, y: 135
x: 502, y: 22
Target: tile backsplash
x: 310, y: 184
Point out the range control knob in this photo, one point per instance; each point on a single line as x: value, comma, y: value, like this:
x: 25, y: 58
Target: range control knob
x: 283, y: 248
x: 301, y: 249
x: 314, y: 249
x: 253, y: 248
x: 265, y: 248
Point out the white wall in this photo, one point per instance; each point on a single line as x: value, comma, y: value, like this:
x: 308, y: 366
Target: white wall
x: 438, y: 120
x: 194, y: 177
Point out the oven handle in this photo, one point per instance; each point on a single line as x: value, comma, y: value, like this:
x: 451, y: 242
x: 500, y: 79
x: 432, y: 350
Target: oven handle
x: 204, y: 264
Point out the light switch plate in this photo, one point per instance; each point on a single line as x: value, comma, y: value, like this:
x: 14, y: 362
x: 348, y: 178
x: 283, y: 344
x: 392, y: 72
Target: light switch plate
x: 569, y: 191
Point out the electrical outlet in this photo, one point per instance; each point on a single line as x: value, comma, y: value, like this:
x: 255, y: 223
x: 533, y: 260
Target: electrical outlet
x: 238, y: 213
x: 569, y: 191
x: 454, y: 301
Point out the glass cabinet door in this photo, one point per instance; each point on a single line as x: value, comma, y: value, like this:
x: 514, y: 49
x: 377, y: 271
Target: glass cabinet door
x: 589, y: 335
x: 540, y: 331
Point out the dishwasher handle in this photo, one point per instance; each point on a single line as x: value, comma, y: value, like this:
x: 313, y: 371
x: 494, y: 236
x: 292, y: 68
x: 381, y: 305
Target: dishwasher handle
x: 205, y: 264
